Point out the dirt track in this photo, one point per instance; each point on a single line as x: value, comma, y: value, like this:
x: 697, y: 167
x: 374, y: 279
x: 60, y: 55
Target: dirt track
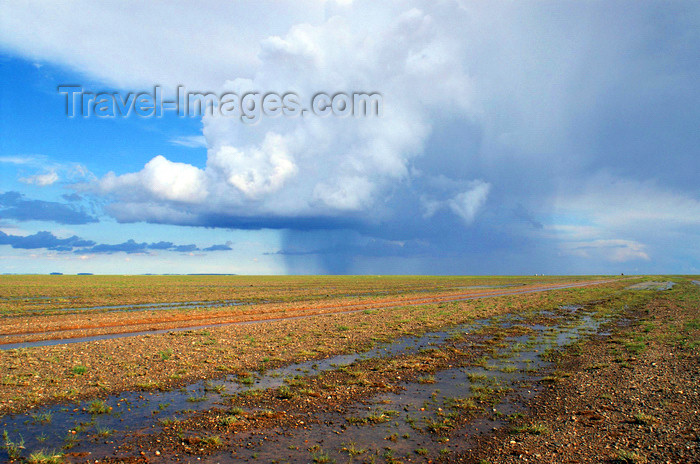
x: 73, y: 326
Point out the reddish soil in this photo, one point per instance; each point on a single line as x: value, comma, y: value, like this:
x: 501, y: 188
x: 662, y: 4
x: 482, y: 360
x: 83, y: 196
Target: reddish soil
x: 58, y: 327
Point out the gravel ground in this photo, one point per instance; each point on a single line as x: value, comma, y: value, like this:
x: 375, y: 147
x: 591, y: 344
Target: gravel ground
x: 633, y: 397
x: 46, y: 375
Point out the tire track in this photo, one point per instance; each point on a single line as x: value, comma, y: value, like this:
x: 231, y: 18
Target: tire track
x: 30, y: 339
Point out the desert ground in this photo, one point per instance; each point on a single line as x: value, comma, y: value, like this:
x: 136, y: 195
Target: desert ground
x: 350, y: 369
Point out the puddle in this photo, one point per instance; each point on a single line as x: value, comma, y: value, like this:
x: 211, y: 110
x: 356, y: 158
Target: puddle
x: 571, y: 308
x: 413, y: 424
x: 140, y: 412
x: 658, y: 286
x: 695, y: 282
x: 130, y: 411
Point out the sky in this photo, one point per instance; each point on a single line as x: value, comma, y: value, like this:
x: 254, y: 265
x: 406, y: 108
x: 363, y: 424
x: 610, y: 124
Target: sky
x: 548, y: 137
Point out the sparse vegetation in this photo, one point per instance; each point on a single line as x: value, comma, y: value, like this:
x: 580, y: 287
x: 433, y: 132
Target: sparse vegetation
x: 44, y: 457
x: 42, y: 418
x: 629, y: 457
x: 343, y: 388
x: 212, y: 440
x: 103, y: 431
x: 643, y: 419
x: 352, y: 449
x: 79, y: 370
x: 532, y: 429
x: 13, y: 448
x: 98, y: 407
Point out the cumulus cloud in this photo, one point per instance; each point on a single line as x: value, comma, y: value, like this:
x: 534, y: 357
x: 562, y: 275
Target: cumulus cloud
x: 426, y: 72
x: 161, y: 245
x: 159, y: 180
x: 563, y: 126
x: 255, y: 171
x: 313, y: 167
x: 614, y: 219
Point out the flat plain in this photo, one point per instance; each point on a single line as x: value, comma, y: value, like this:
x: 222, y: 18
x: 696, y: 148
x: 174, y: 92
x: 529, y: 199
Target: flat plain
x: 349, y: 369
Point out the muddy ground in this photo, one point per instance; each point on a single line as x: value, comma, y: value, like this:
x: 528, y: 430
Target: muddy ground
x: 631, y: 398
x: 533, y: 379
x: 49, y: 374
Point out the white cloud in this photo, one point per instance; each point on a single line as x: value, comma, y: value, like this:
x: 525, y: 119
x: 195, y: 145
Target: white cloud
x: 50, y: 170
x: 616, y: 251
x: 571, y: 231
x: 618, y: 203
x: 467, y: 204
x: 19, y: 159
x: 531, y: 86
x: 160, y: 179
x: 190, y: 141
x: 255, y: 171
x: 313, y: 166
x: 346, y: 194
x: 42, y: 180
x: 608, y: 218
x: 181, y: 44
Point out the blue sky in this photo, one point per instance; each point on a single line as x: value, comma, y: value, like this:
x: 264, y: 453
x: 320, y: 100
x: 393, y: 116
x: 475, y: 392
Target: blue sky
x: 515, y: 138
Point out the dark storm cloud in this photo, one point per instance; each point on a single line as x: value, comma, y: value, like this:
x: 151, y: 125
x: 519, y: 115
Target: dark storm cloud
x: 72, y: 197
x: 218, y: 248
x: 47, y: 240
x: 130, y: 246
x: 13, y: 205
x: 161, y: 245
x: 185, y: 248
x: 197, y: 216
x: 349, y: 243
x: 565, y: 94
x: 44, y: 239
